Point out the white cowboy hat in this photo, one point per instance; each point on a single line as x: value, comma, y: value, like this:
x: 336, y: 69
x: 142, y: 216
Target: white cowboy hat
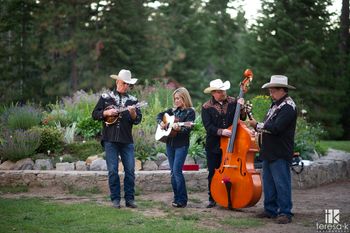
x: 124, y: 75
x: 217, y: 85
x: 278, y: 81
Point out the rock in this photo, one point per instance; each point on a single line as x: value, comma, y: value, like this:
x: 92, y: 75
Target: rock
x: 138, y: 165
x: 43, y: 164
x: 189, y: 160
x: 24, y: 164
x: 164, y: 165
x: 161, y: 157
x: 7, y: 165
x: 65, y: 166
x: 80, y: 166
x: 89, y: 160
x: 98, y: 165
x: 150, y: 166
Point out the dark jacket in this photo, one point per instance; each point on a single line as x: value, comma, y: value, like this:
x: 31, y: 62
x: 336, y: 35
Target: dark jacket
x: 278, y: 131
x: 217, y: 117
x: 182, y: 138
x: 121, y: 130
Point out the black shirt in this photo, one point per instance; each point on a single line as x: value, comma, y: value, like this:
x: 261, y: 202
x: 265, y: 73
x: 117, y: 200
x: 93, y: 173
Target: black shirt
x: 182, y: 138
x: 216, y: 117
x: 278, y: 131
x: 121, y: 130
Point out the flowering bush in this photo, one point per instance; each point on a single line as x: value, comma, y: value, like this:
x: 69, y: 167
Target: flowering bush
x: 21, y: 117
x: 18, y: 144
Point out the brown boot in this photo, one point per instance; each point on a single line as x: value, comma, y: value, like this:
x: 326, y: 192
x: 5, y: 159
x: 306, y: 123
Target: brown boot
x: 283, y: 219
x: 265, y: 215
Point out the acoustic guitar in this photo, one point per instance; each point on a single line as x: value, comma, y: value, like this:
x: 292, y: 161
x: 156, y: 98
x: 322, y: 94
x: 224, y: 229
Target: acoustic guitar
x: 162, y: 134
x: 109, y: 120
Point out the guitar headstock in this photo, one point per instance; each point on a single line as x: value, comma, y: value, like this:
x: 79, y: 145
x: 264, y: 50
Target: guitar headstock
x: 248, y: 77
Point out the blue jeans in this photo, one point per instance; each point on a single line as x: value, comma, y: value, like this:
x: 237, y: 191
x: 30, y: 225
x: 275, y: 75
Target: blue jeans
x: 126, y: 152
x: 177, y: 157
x: 277, y: 188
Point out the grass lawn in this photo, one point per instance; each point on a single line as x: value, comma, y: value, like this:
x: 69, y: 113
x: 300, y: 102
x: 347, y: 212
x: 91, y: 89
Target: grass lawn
x: 42, y: 215
x: 338, y: 145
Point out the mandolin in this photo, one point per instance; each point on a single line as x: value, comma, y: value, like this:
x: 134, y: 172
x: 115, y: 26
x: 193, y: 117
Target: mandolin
x: 109, y: 120
x: 169, y: 121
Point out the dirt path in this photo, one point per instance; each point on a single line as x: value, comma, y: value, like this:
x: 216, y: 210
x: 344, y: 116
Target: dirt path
x: 309, y: 208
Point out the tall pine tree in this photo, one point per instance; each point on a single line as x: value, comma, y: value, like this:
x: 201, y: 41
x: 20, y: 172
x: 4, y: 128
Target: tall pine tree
x: 293, y: 37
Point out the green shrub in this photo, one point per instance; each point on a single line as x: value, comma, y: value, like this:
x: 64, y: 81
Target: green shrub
x: 68, y: 133
x: 65, y: 158
x: 82, y: 150
x: 307, y: 134
x: 19, y: 144
x: 88, y: 127
x: 22, y: 117
x: 56, y: 117
x: 261, y: 105
x: 307, y: 137
x: 51, y: 140
x: 80, y: 105
x: 159, y: 99
x: 145, y: 144
x: 197, y: 140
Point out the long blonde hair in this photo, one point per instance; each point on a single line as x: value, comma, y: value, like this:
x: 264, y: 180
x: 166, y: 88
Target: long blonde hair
x: 185, y: 95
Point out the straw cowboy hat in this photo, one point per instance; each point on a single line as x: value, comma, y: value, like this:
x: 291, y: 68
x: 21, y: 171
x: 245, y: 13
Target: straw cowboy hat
x: 124, y: 75
x: 217, y: 85
x: 278, y: 81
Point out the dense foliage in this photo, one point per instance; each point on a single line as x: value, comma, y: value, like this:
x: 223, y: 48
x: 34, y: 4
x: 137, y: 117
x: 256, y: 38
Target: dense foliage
x: 51, y: 49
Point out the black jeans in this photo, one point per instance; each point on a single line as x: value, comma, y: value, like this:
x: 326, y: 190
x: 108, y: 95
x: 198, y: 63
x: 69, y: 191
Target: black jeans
x: 213, y: 162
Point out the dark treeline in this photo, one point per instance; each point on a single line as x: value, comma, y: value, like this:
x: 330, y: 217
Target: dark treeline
x: 51, y: 48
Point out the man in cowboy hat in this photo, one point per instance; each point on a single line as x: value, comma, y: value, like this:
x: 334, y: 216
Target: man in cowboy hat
x: 276, y: 150
x: 217, y: 116
x: 117, y: 137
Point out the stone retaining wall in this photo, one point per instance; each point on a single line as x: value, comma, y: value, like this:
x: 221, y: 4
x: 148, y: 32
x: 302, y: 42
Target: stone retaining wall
x: 335, y: 166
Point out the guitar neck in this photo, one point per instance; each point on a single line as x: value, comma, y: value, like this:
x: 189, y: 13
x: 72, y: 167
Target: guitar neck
x: 186, y: 124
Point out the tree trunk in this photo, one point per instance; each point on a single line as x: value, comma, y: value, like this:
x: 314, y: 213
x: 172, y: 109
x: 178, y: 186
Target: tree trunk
x: 344, y: 28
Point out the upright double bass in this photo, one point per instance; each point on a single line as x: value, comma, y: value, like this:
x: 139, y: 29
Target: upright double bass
x: 236, y: 183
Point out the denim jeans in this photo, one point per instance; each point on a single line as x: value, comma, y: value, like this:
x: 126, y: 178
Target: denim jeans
x: 126, y: 153
x: 177, y: 157
x: 277, y: 187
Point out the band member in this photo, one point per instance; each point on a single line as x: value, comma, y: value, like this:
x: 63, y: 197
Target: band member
x: 177, y: 146
x: 117, y: 138
x: 217, y: 116
x: 276, y: 150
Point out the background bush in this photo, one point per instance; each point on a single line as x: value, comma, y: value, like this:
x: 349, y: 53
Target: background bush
x: 19, y: 144
x: 261, y: 105
x: 307, y: 138
x: 82, y: 150
x: 51, y: 139
x: 307, y: 134
x: 88, y: 127
x: 22, y: 117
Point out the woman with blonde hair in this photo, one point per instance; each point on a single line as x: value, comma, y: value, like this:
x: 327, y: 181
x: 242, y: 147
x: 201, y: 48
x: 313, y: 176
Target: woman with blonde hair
x: 177, y: 146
